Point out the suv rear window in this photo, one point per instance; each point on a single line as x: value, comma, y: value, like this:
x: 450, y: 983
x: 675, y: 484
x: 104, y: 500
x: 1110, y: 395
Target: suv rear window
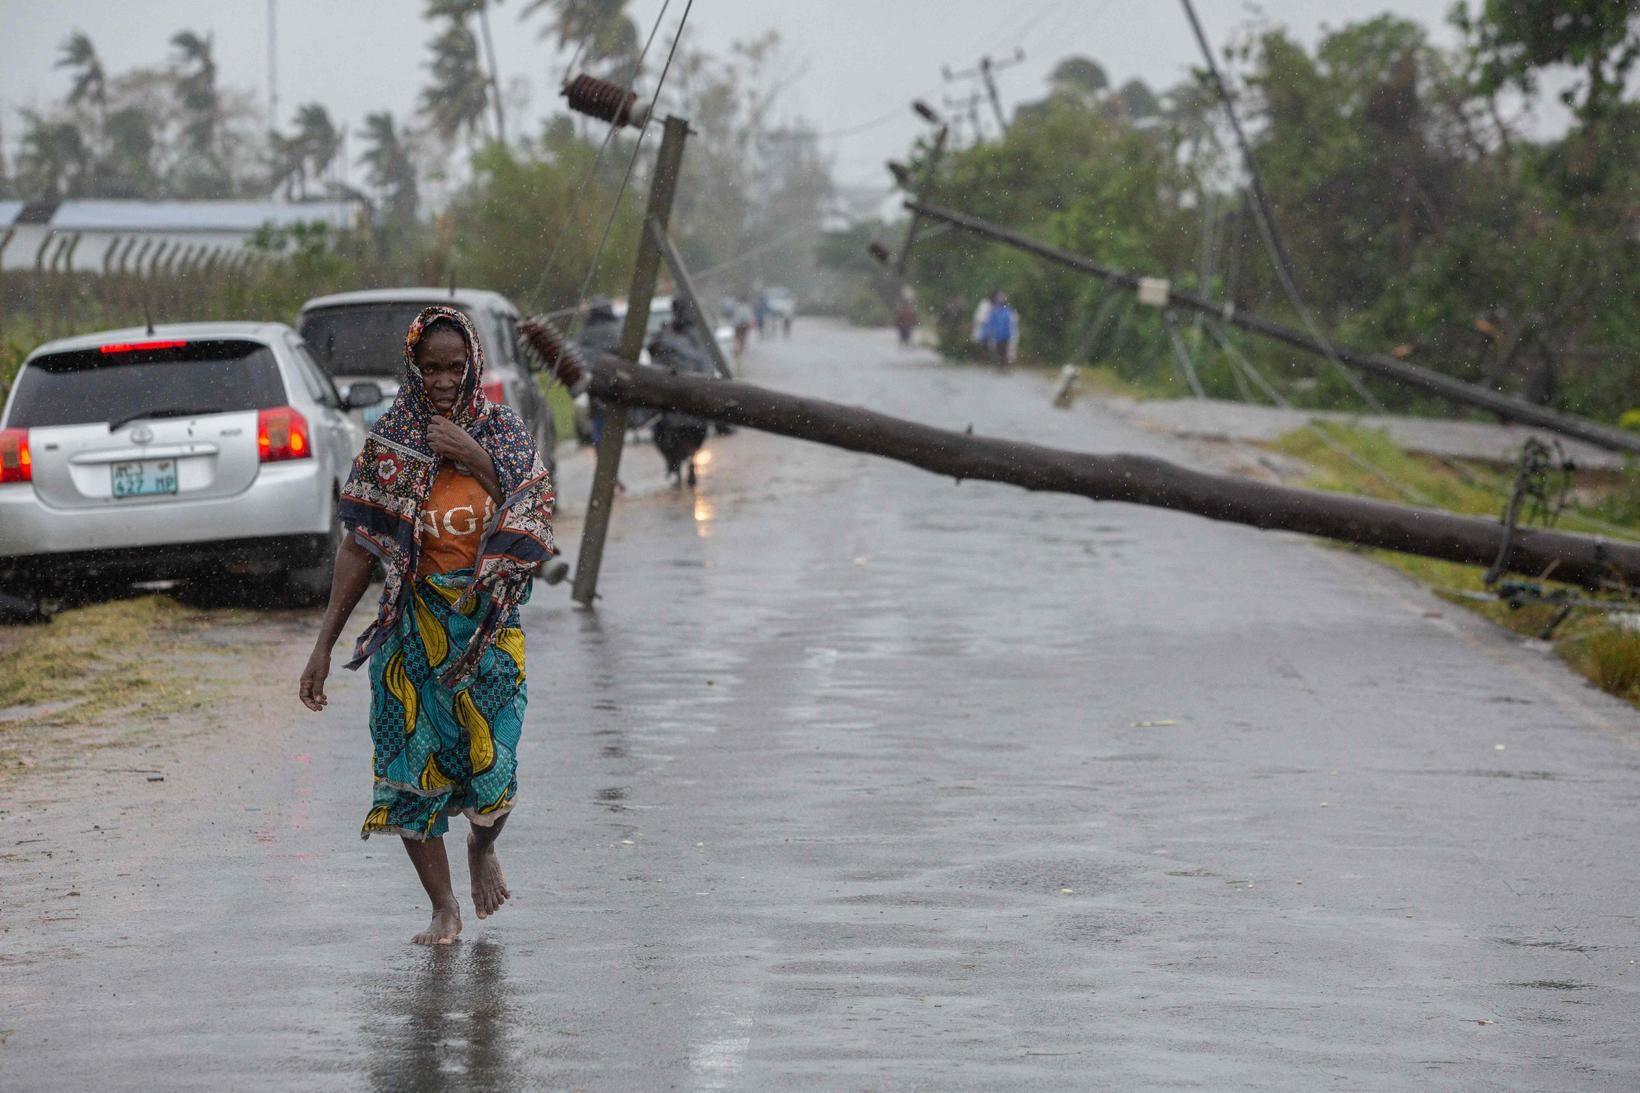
x: 91, y: 385
x: 368, y: 339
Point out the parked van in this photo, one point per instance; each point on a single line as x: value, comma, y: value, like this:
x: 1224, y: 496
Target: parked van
x: 359, y: 336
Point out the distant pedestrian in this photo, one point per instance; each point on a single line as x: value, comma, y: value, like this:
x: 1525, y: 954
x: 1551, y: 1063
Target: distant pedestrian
x: 905, y: 316
x: 1001, y: 334
x: 743, y: 323
x: 982, y: 313
x: 679, y: 436
x: 450, y: 495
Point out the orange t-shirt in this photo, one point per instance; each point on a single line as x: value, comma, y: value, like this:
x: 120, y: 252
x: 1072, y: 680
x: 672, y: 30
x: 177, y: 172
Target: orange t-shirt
x: 452, y: 522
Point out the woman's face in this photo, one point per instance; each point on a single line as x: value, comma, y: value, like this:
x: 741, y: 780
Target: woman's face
x: 442, y: 358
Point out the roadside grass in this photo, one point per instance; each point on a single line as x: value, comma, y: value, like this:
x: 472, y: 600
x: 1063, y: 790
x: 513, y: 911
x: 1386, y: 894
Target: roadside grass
x: 125, y: 657
x: 563, y: 409
x: 16, y: 342
x: 1593, y: 643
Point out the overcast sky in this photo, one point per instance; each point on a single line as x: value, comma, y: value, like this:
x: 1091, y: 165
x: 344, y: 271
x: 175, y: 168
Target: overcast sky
x: 860, y: 61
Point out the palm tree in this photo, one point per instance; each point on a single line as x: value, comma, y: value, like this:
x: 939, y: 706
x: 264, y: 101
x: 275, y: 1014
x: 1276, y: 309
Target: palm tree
x: 308, y: 153
x: 197, y: 91
x: 317, y: 137
x: 391, y: 169
x: 89, y: 80
x: 287, y: 166
x: 457, y: 98
x: 457, y: 11
x: 599, y: 30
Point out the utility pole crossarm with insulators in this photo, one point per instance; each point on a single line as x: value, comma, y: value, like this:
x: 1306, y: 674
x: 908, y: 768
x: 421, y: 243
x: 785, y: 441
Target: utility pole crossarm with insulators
x: 986, y: 72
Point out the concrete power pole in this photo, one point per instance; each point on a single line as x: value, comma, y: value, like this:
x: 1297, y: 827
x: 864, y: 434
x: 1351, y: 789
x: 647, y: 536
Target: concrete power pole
x: 667, y: 166
x: 273, y: 65
x: 986, y: 72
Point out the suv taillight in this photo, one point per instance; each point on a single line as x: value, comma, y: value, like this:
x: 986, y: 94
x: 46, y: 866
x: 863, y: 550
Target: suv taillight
x: 16, y: 465
x: 282, y: 433
x: 496, y: 392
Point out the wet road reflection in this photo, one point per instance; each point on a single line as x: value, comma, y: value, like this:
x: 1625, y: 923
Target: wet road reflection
x: 447, y: 1022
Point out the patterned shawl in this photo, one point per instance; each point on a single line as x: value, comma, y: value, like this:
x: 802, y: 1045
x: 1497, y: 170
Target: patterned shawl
x: 393, y: 473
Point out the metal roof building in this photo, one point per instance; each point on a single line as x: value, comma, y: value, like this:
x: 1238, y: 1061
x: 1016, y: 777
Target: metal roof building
x: 108, y: 236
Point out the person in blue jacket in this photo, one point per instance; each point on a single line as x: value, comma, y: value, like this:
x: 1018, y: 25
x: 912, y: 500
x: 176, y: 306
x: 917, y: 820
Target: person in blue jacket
x: 1000, y: 335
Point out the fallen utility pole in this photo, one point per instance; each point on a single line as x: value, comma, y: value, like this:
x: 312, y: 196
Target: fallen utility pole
x: 1577, y: 559
x: 1373, y: 364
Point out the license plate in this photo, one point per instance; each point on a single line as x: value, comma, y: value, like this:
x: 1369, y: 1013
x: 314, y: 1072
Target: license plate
x: 144, y: 477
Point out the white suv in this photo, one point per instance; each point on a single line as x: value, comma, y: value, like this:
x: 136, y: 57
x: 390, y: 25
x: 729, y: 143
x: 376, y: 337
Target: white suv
x: 191, y: 449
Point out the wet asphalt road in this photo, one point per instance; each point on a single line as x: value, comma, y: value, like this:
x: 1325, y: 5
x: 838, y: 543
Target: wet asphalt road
x: 859, y: 779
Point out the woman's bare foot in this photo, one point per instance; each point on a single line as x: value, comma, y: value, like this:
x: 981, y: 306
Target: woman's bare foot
x: 489, y: 887
x: 442, y: 930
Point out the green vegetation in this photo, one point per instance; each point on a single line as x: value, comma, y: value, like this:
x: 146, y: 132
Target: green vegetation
x: 1421, y: 220
x: 1590, y: 641
x: 522, y: 213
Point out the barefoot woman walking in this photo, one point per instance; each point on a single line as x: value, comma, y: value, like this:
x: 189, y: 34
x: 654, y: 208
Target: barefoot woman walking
x: 450, y: 495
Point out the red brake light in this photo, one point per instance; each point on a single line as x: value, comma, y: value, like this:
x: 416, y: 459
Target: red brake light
x: 282, y: 433
x: 16, y: 465
x: 137, y: 347
x: 495, y: 391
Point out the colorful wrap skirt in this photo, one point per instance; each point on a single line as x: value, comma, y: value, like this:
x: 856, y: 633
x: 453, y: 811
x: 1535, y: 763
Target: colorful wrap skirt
x: 439, y: 751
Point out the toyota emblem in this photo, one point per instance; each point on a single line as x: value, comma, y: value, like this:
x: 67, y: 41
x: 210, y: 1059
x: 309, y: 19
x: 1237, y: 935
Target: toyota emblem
x: 142, y: 434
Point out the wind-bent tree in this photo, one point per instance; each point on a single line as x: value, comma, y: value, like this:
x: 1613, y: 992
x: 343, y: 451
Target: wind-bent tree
x: 318, y: 137
x: 196, y: 89
x: 390, y: 168
x: 458, y: 11
x: 90, y: 83
x: 457, y: 99
x: 308, y: 153
x: 599, y: 30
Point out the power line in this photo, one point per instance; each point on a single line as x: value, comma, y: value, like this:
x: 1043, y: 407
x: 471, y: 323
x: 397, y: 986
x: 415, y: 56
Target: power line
x: 637, y: 146
x: 767, y: 244
x: 586, y: 178
x: 1266, y: 218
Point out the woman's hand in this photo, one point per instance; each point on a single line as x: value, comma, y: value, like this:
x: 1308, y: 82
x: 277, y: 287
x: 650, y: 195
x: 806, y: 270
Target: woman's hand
x: 313, y: 680
x: 451, y: 441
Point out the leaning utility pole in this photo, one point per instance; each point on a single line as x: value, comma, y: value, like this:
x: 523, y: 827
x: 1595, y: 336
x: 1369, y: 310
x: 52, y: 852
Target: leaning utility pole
x: 986, y: 71
x: 1160, y: 293
x: 618, y: 106
x: 684, y: 289
x: 1535, y: 552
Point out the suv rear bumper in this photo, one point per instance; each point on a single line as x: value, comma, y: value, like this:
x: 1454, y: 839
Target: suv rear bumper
x: 292, y: 498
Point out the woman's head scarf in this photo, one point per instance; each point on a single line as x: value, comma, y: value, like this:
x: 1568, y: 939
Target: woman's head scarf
x: 394, y: 472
